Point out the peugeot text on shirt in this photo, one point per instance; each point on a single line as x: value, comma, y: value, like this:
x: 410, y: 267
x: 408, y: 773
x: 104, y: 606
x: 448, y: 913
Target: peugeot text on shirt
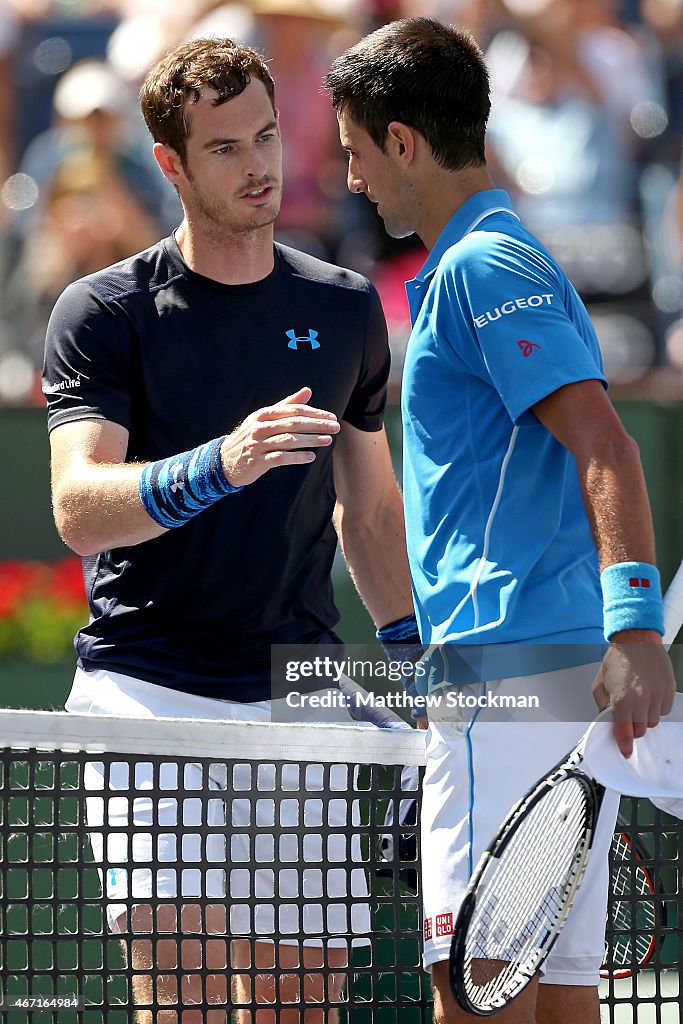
x: 511, y: 307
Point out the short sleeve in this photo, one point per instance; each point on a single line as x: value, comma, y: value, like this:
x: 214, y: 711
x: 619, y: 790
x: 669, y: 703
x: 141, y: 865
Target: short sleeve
x: 529, y: 332
x: 88, y: 370
x: 365, y: 409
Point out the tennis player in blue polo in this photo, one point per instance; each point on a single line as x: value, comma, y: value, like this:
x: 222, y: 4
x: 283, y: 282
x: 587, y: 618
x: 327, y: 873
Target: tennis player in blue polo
x: 497, y: 328
x: 527, y: 516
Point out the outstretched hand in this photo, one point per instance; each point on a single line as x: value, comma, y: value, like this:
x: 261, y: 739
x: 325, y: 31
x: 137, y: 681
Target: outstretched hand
x: 277, y: 435
x: 636, y: 678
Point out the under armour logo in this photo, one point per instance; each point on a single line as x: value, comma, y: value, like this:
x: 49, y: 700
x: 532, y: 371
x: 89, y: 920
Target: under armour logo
x: 527, y: 347
x: 178, y: 483
x: 294, y: 339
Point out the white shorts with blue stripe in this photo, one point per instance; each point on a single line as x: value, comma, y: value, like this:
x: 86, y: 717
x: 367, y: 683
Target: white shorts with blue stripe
x: 478, y: 766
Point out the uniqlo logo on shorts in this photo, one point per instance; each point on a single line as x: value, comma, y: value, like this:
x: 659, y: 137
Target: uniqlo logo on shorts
x: 428, y: 929
x: 444, y: 924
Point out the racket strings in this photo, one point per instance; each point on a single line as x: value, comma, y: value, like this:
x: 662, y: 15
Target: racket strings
x: 633, y: 919
x: 508, y: 891
x: 524, y: 893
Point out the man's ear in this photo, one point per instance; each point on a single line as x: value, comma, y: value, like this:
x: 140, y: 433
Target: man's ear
x: 169, y: 162
x: 401, y: 141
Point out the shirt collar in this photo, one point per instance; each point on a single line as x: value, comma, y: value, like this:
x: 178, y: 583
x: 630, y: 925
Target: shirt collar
x: 465, y: 219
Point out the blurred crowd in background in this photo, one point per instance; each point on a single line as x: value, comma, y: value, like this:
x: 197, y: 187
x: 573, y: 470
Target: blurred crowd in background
x: 586, y: 134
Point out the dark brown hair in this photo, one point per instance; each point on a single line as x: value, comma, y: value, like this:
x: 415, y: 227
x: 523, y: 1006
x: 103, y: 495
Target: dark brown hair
x: 178, y: 79
x: 429, y: 76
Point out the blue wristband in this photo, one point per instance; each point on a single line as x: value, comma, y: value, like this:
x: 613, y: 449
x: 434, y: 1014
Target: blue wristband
x: 402, y: 631
x: 177, y: 489
x: 401, y: 640
x: 401, y: 643
x: 632, y: 598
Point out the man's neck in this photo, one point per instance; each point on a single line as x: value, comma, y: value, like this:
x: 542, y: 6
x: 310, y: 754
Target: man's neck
x: 445, y: 193
x: 240, y: 258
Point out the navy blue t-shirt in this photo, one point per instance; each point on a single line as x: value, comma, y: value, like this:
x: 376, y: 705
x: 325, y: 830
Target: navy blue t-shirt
x: 177, y: 359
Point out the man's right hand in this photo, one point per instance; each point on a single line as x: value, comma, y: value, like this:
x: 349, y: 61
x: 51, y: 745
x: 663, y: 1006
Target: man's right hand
x: 636, y: 679
x: 277, y: 435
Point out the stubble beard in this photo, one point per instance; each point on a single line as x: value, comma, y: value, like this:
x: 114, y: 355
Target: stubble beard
x: 396, y: 230
x: 396, y: 223
x: 218, y: 220
x: 396, y: 226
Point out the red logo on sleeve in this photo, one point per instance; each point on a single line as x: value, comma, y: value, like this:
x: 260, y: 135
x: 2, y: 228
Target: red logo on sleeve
x: 635, y: 582
x: 444, y: 924
x: 428, y: 928
x: 527, y: 347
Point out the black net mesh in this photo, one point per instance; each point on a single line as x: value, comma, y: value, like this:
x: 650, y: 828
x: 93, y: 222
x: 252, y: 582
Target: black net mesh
x: 151, y: 889
x: 161, y: 883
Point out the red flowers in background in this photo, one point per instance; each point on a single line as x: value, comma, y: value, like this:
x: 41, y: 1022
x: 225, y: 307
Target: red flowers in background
x: 41, y: 607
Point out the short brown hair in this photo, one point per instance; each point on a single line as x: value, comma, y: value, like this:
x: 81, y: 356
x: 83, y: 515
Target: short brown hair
x: 179, y: 77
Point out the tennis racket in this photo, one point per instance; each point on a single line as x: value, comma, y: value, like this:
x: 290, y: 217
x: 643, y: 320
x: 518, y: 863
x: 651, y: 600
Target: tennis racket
x: 637, y: 909
x: 525, y: 882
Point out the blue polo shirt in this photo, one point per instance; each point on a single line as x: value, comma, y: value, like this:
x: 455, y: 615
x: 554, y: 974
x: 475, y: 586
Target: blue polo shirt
x: 498, y: 538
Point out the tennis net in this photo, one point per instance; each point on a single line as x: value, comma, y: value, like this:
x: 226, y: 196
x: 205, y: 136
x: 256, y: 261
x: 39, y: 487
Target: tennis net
x: 148, y: 866
x: 173, y: 872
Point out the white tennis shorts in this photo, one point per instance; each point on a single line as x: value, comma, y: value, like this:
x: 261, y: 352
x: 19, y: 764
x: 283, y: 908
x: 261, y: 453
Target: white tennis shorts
x: 477, y: 768
x: 199, y: 855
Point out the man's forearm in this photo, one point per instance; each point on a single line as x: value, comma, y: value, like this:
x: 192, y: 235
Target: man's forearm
x: 375, y: 553
x: 99, y: 508
x: 617, y: 504
x: 583, y: 420
x: 100, y: 501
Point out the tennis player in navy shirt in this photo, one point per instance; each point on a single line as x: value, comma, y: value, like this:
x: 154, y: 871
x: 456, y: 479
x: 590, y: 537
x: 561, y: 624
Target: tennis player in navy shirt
x: 213, y: 402
x: 527, y: 516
